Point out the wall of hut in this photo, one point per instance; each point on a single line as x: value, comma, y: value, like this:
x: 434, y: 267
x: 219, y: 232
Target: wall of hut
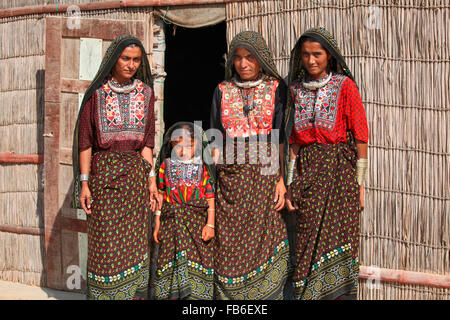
x: 398, y: 52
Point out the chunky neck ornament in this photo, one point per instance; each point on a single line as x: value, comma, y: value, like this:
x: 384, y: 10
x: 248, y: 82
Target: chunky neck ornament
x: 249, y: 84
x: 124, y: 89
x: 314, y: 85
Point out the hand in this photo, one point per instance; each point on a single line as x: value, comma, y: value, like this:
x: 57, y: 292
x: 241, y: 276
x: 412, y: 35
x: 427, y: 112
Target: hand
x: 280, y: 192
x: 290, y: 203
x: 155, y: 200
x: 85, y: 198
x: 155, y: 232
x: 207, y: 233
x: 215, y: 155
x: 361, y: 196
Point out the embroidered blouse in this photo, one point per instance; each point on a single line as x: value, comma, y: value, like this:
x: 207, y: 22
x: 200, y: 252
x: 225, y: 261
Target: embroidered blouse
x: 267, y: 103
x: 183, y: 182
x: 112, y: 121
x: 324, y: 115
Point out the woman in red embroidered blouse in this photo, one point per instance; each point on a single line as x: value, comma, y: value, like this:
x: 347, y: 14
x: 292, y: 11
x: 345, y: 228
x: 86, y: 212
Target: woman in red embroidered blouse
x: 113, y: 143
x: 186, y: 223
x: 328, y: 140
x: 251, y: 255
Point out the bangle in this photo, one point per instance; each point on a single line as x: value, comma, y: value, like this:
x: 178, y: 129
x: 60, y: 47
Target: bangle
x: 157, y: 213
x: 361, y: 170
x: 84, y: 177
x: 290, y: 175
x: 152, y: 174
x: 210, y: 225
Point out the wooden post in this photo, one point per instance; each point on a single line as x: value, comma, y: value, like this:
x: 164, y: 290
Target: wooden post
x: 53, y: 46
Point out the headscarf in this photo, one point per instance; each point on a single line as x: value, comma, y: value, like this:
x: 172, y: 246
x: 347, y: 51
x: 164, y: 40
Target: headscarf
x: 298, y: 71
x: 166, y: 148
x: 255, y: 43
x: 109, y: 60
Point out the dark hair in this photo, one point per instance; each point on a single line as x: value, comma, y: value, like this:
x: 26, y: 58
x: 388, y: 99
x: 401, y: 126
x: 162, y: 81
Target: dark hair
x: 180, y: 130
x: 332, y: 63
x: 184, y: 127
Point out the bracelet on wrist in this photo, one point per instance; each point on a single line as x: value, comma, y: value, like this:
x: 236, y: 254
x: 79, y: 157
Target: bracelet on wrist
x: 157, y: 213
x: 152, y: 174
x: 84, y: 177
x: 210, y: 225
x: 361, y: 170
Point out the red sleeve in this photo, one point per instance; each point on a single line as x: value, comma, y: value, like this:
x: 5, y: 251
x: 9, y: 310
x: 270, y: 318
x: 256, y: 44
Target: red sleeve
x: 354, y: 112
x: 209, y: 192
x: 161, y: 174
x: 149, y: 138
x: 86, y: 125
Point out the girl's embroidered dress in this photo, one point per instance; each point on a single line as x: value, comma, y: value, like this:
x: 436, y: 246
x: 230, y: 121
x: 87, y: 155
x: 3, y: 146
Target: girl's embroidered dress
x: 185, y: 262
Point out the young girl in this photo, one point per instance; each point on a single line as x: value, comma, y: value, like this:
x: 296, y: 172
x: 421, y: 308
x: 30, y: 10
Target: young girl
x: 185, y: 226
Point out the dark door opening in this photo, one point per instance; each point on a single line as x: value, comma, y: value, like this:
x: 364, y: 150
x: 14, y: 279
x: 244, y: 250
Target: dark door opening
x: 194, y: 65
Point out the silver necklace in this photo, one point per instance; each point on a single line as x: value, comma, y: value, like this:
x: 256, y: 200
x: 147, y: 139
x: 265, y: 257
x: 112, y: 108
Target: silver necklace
x: 124, y: 89
x: 249, y: 84
x: 314, y: 85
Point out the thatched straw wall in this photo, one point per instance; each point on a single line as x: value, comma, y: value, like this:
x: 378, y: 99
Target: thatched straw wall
x: 22, y: 61
x: 7, y: 4
x: 399, y: 53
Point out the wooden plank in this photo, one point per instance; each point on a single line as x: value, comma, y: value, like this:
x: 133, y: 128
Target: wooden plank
x: 65, y: 156
x: 91, y: 53
x: 22, y: 230
x: 405, y: 277
x: 53, y: 59
x: 104, y: 29
x: 70, y: 58
x: 68, y: 118
x: 51, y: 151
x: 72, y: 269
x: 74, y: 85
x: 74, y: 224
x: 11, y: 158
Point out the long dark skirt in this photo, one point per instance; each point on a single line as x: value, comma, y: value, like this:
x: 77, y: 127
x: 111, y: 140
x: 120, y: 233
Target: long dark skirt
x: 327, y: 224
x: 185, y: 261
x: 252, y: 252
x: 118, y: 263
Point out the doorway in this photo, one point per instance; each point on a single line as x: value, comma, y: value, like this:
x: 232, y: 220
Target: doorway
x: 195, y: 65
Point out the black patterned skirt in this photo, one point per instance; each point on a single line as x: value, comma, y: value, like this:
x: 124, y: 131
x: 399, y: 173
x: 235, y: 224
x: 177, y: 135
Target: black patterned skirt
x: 252, y: 252
x: 327, y: 222
x: 118, y: 262
x: 185, y: 262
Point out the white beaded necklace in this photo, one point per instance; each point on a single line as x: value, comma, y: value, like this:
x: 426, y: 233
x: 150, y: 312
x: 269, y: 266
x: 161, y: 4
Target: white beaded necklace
x: 314, y: 85
x: 194, y: 160
x: 249, y: 84
x: 124, y: 89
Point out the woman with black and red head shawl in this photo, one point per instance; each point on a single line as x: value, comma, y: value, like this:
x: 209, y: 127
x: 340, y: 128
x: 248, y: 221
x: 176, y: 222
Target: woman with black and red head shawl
x: 251, y: 253
x: 328, y: 160
x: 114, y: 181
